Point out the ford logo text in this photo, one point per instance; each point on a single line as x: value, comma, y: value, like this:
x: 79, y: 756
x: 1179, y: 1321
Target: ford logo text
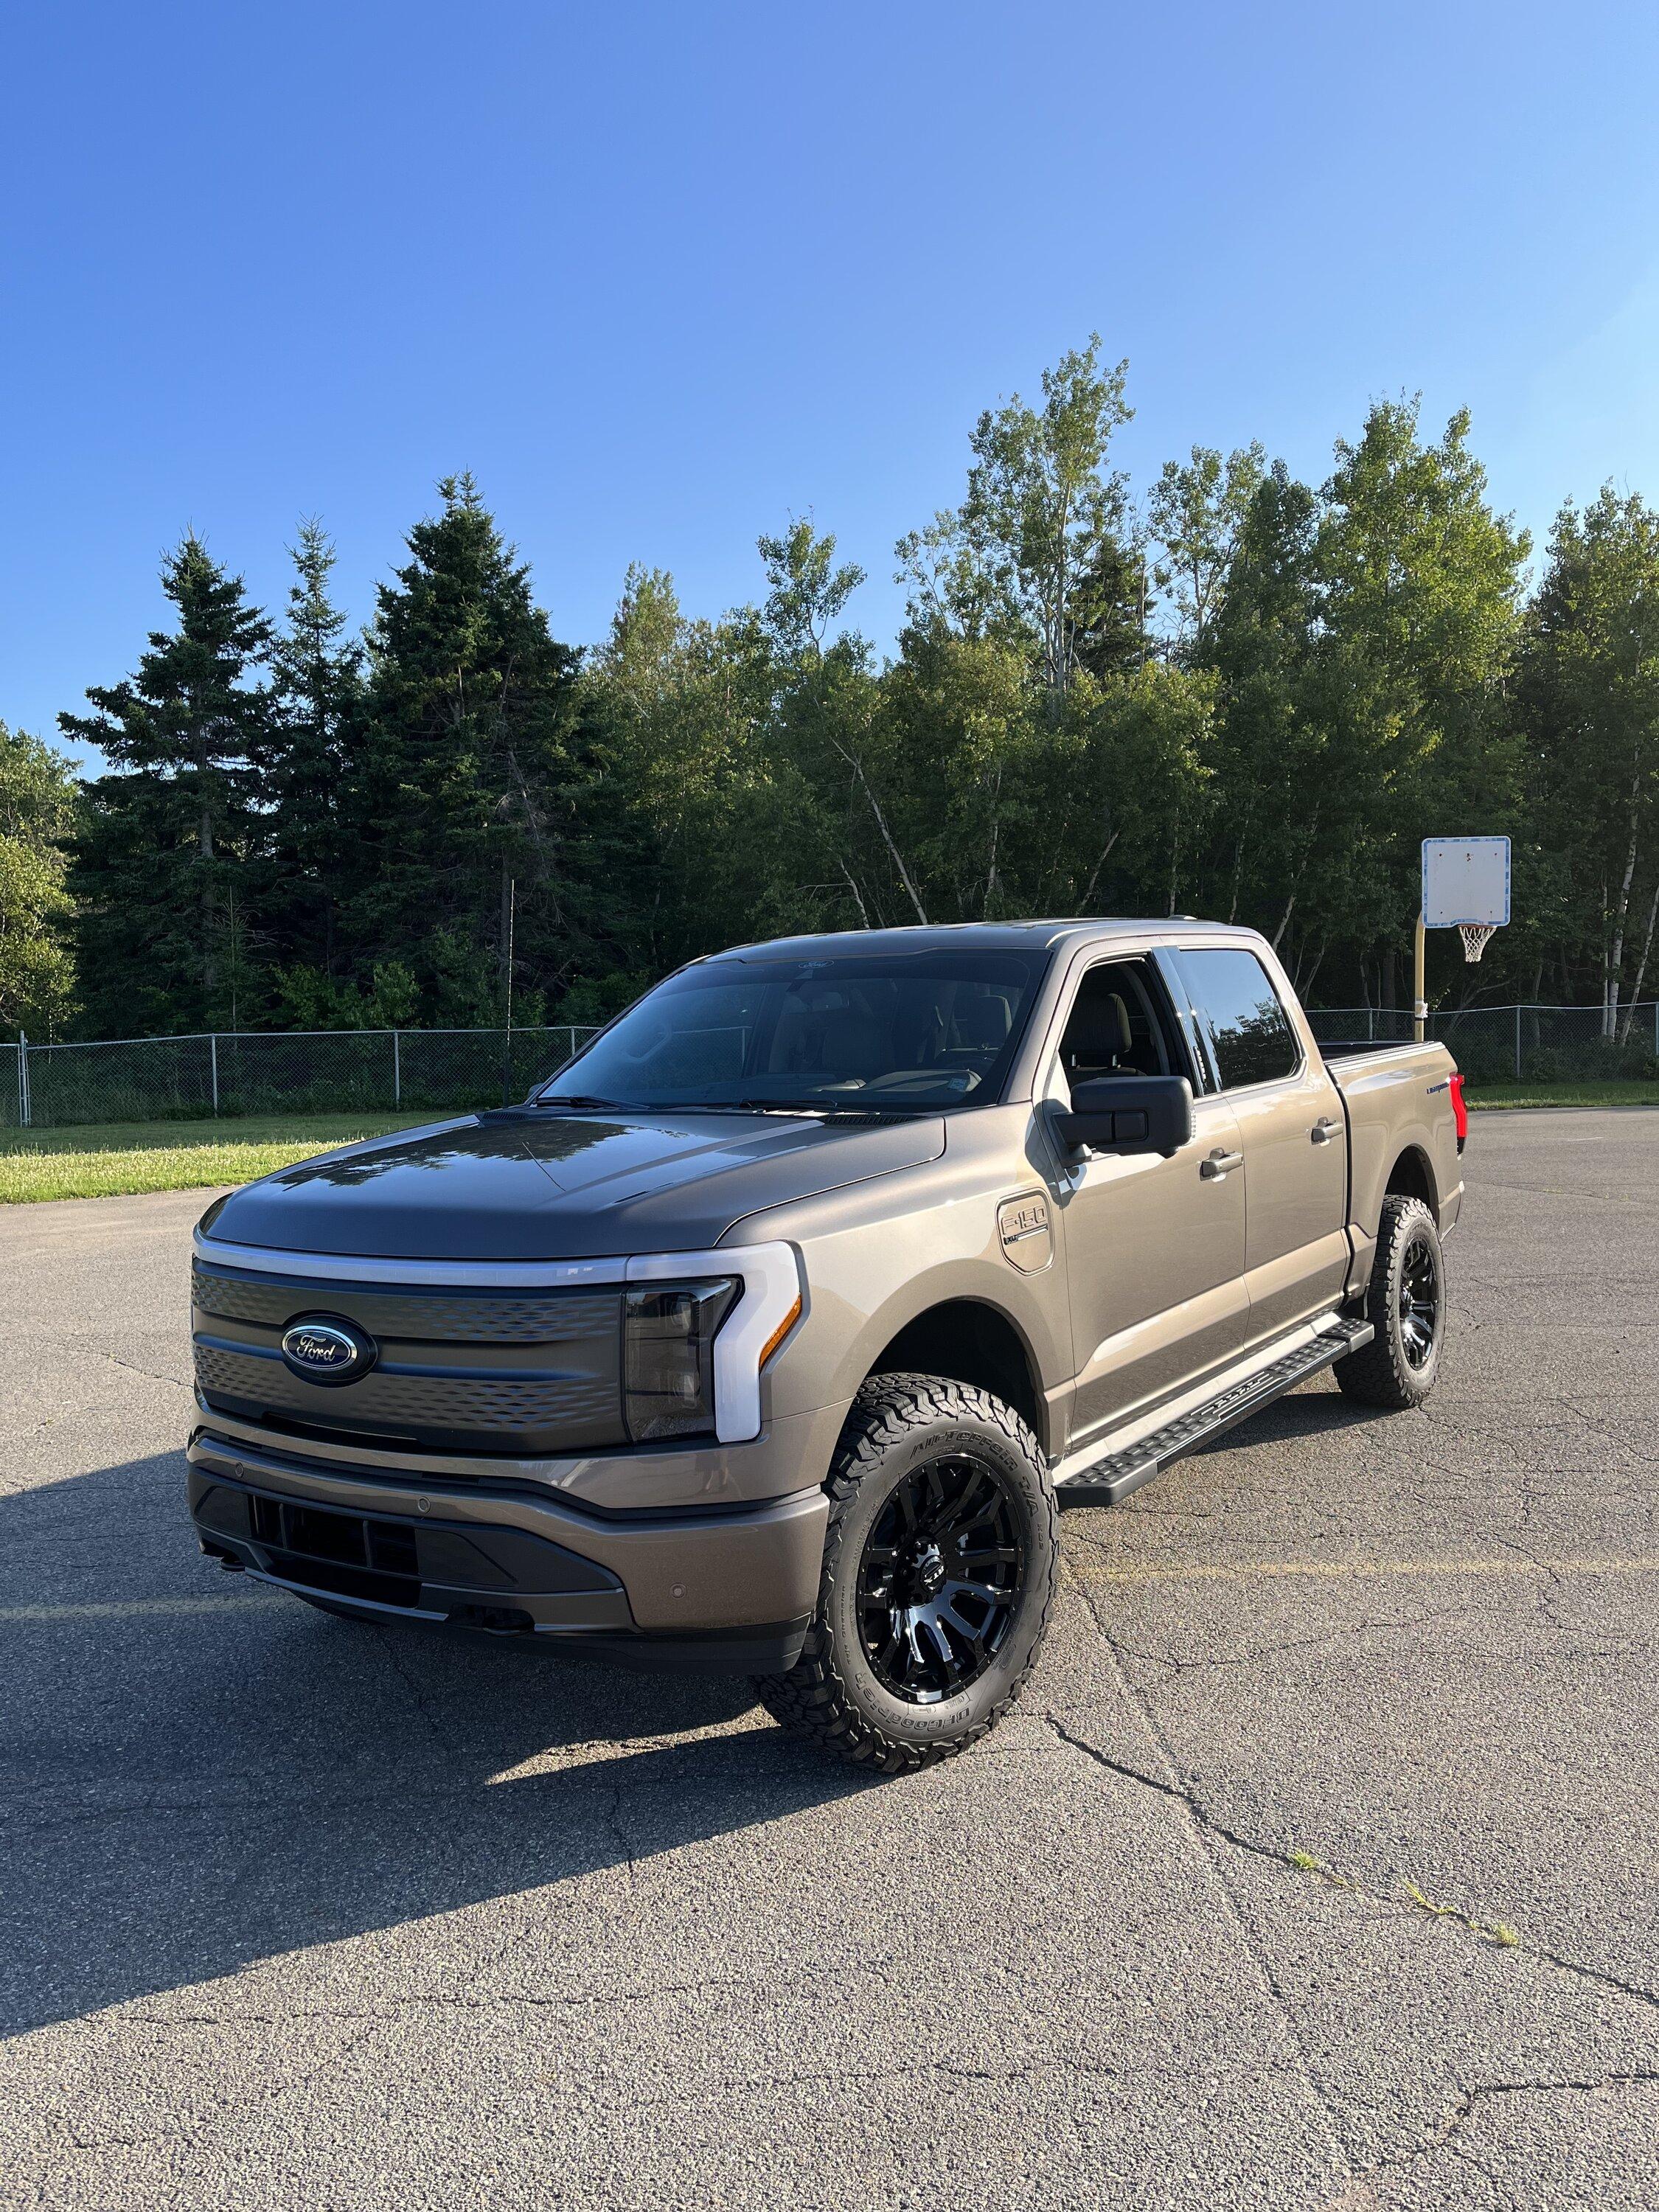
x: 324, y: 1350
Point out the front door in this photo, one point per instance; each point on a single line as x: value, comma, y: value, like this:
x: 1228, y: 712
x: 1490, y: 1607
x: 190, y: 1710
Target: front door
x: 1154, y: 1249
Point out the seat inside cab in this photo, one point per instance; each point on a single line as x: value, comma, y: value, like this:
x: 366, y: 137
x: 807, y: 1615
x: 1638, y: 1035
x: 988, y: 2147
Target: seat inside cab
x: 1115, y: 1028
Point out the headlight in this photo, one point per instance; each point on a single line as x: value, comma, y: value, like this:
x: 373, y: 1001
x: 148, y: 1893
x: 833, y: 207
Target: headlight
x: 668, y: 1357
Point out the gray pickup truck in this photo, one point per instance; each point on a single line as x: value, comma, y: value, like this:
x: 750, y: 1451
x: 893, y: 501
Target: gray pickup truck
x: 768, y: 1335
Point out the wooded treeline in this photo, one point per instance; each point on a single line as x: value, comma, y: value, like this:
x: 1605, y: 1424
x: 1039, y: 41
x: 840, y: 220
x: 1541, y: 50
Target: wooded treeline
x: 1236, y: 696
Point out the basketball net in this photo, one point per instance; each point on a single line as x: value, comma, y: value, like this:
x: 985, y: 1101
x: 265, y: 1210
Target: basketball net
x: 1474, y: 935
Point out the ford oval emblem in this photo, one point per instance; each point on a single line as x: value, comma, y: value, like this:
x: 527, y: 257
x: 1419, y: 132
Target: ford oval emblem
x: 322, y: 1348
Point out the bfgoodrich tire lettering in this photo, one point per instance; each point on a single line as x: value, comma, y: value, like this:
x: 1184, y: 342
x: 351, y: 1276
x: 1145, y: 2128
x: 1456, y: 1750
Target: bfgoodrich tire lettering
x: 1406, y: 1304
x: 939, y: 1577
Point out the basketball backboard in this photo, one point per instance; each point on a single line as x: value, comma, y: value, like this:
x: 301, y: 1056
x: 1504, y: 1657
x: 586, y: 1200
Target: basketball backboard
x: 1466, y: 879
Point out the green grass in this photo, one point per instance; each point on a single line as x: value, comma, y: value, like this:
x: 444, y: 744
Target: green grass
x: 115, y: 1160
x: 1636, y: 1093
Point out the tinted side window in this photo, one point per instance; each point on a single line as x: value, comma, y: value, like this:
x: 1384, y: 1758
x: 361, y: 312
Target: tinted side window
x: 1249, y: 1030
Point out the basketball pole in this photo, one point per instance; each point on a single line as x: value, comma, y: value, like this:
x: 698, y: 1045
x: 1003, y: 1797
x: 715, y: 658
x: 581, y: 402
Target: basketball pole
x: 1420, y: 981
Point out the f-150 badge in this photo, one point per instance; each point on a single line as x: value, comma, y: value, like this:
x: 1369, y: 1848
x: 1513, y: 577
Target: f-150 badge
x: 1027, y: 1240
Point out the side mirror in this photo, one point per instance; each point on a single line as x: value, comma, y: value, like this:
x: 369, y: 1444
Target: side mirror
x: 1128, y: 1114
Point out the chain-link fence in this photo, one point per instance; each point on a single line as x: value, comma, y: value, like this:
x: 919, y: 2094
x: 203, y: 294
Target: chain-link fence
x: 302, y: 1072
x: 1515, y: 1044
x: 441, y: 1071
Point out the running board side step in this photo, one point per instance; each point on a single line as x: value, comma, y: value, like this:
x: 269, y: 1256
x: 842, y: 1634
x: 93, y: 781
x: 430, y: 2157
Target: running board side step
x: 1110, y: 1478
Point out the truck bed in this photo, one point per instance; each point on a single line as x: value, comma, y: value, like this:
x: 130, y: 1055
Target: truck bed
x: 1396, y: 1097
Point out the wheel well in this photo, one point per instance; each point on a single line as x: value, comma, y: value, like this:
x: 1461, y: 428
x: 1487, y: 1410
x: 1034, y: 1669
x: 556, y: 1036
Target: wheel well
x: 973, y: 1344
x: 1411, y: 1176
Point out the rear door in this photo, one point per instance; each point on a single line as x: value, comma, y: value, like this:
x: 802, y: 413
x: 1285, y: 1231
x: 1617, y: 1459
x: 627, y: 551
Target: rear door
x: 1291, y: 1127
x: 1154, y: 1247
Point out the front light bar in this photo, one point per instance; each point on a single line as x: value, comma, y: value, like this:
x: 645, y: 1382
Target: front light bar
x: 768, y: 1308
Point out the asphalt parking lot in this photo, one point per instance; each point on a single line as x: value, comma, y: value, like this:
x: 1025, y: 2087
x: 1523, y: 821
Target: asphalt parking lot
x: 1317, y: 1869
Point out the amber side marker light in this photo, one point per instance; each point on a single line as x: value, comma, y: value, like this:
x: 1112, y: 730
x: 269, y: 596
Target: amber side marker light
x: 781, y: 1331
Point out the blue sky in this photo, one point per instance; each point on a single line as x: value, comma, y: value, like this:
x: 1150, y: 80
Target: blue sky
x: 662, y: 275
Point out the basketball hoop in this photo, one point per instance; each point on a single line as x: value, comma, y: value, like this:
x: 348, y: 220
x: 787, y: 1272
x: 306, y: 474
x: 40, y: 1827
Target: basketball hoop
x: 1475, y: 936
x: 1466, y: 887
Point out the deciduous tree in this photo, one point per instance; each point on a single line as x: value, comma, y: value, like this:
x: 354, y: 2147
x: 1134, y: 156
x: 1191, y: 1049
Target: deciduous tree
x: 37, y: 814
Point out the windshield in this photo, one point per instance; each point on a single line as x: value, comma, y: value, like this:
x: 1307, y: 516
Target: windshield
x: 860, y: 1034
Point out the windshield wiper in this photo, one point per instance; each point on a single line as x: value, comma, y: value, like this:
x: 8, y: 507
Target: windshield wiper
x: 819, y: 1109
x: 799, y: 1109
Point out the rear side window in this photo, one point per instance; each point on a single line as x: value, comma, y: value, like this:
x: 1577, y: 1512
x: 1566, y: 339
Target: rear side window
x: 1249, y: 1031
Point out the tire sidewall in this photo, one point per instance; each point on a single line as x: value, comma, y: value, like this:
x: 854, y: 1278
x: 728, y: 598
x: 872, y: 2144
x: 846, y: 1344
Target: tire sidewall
x: 1027, y: 1485
x: 1416, y: 1225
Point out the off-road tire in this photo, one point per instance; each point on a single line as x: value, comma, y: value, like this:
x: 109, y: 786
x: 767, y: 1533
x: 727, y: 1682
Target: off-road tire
x: 832, y: 1696
x: 1385, y: 1373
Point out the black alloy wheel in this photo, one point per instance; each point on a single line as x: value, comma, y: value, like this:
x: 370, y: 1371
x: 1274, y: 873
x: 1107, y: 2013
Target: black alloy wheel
x: 1406, y: 1306
x: 940, y: 1578
x: 1419, y: 1301
x: 940, y: 1556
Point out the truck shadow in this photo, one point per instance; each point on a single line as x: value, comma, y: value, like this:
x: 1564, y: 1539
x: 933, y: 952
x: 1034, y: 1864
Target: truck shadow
x: 191, y: 1786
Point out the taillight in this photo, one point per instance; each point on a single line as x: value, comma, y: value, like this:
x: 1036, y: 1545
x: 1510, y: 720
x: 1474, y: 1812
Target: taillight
x: 1460, y: 1111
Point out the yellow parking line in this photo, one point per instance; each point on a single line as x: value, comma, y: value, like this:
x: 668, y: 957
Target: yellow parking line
x: 133, y: 1608
x: 1245, y: 1570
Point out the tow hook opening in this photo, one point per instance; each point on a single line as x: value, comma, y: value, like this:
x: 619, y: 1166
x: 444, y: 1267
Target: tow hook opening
x: 498, y: 1619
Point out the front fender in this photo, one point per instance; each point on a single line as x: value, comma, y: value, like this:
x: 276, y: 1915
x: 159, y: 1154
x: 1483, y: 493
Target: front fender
x: 880, y: 1256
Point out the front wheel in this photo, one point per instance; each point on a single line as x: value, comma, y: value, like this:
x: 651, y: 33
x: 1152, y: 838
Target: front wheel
x: 938, y: 1576
x: 1406, y: 1304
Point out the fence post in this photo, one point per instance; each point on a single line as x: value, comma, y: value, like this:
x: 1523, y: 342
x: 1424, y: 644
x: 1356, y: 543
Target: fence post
x: 1517, y: 1044
x: 571, y: 1054
x: 213, y: 1059
x: 397, y: 1071
x: 22, y: 1080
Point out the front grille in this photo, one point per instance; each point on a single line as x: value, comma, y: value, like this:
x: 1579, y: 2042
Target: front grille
x: 537, y: 1375
x: 436, y: 1316
x: 502, y: 1408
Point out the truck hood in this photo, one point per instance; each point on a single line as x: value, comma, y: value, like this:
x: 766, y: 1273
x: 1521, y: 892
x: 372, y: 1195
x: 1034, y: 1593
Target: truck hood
x: 537, y: 1184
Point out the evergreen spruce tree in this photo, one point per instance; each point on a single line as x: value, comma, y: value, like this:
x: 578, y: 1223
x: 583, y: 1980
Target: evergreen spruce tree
x: 317, y: 728
x: 465, y: 786
x: 169, y: 935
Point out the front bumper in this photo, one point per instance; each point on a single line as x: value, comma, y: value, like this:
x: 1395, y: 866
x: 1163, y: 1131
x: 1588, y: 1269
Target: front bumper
x: 710, y: 1590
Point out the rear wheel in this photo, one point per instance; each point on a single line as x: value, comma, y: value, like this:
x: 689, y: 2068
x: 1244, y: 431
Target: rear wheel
x: 1406, y: 1304
x: 938, y: 1575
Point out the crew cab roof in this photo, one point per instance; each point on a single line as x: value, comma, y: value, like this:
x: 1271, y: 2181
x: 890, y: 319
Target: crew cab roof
x: 986, y: 936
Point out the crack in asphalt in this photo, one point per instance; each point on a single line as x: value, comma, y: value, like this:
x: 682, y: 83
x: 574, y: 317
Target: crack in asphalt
x: 1472, y: 2095
x: 176, y: 1381
x: 1207, y: 1833
x: 1173, y: 1663
x: 474, y: 1999
x: 1186, y: 1796
x: 269, y: 2095
x: 385, y: 1637
x: 619, y: 1830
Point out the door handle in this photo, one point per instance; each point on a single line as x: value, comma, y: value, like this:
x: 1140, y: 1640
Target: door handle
x: 1220, y: 1163
x: 1324, y: 1129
